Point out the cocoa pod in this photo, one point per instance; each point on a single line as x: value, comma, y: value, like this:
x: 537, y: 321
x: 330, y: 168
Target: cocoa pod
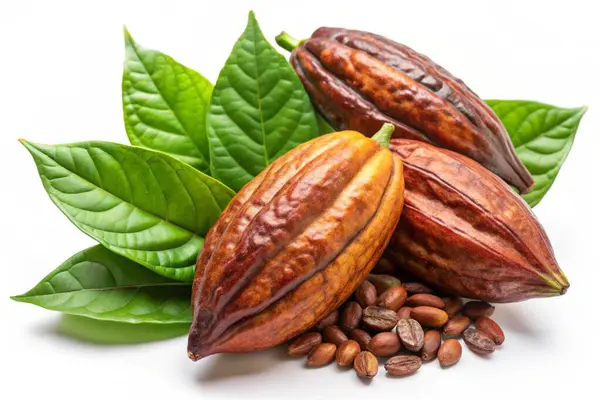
x: 294, y: 243
x: 357, y: 80
x: 466, y: 232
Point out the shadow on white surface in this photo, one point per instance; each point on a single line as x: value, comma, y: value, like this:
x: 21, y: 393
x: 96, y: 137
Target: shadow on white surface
x: 513, y: 319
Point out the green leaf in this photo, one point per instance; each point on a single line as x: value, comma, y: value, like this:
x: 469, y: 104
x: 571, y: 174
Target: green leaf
x: 99, y: 284
x: 142, y: 204
x: 165, y: 104
x: 114, y: 333
x: 542, y: 135
x: 323, y: 125
x: 259, y: 110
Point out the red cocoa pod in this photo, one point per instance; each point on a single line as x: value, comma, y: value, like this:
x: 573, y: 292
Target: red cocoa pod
x: 294, y: 243
x: 467, y: 233
x: 357, y: 80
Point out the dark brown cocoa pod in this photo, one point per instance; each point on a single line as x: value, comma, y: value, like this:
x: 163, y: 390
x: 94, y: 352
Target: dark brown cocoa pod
x: 331, y: 319
x: 357, y: 80
x: 393, y: 298
x: 379, y: 319
x: 431, y: 344
x: 467, y: 233
x: 478, y: 342
x: 304, y: 343
x: 351, y: 316
x: 366, y: 294
x: 294, y: 243
x: 385, y: 344
x: 333, y: 334
x: 362, y: 337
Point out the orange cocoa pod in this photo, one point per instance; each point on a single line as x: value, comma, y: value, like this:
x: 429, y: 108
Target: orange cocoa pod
x: 294, y: 243
x: 466, y: 232
x: 357, y: 80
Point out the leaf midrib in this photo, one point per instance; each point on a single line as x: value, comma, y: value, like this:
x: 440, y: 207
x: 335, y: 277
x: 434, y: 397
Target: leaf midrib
x: 259, y: 97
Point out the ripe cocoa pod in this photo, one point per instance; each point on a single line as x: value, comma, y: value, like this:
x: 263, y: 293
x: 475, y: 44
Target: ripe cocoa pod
x: 294, y: 243
x: 467, y: 233
x: 357, y: 80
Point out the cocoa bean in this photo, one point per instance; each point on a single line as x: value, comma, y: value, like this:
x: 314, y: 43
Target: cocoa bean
x: 322, y: 354
x: 346, y: 353
x: 491, y: 328
x: 417, y: 288
x: 425, y: 299
x: 403, y: 365
x: 362, y: 337
x: 393, y: 298
x: 351, y: 316
x: 366, y: 294
x: 404, y: 312
x: 410, y: 334
x: 431, y: 344
x: 453, y: 305
x: 366, y: 365
x: 450, y: 352
x: 429, y: 317
x: 304, y: 343
x: 385, y: 344
x: 330, y: 319
x: 379, y: 319
x: 333, y: 334
x: 478, y: 341
x: 456, y: 325
x: 478, y: 309
x: 383, y: 282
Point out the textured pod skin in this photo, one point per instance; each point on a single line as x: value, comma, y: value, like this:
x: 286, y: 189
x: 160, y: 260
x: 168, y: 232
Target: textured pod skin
x: 466, y: 232
x: 294, y: 243
x: 358, y: 80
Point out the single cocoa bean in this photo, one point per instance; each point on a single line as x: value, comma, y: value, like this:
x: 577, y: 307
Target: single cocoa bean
x: 385, y: 344
x: 304, y: 343
x: 456, y: 325
x: 383, y: 282
x: 491, y: 328
x: 322, y: 354
x: 416, y: 288
x: 366, y: 294
x: 478, y: 341
x: 346, y: 353
x: 393, y: 298
x: 453, y: 305
x: 379, y: 319
x: 403, y: 365
x: 425, y: 299
x: 362, y: 337
x: 333, y: 334
x: 384, y: 267
x: 431, y: 344
x: 410, y: 334
x: 366, y: 365
x: 450, y: 352
x: 331, y: 319
x: 429, y: 317
x: 404, y: 312
x: 351, y: 316
x: 478, y: 309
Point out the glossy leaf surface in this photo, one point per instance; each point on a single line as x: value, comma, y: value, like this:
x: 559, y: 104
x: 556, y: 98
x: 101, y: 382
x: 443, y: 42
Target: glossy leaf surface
x: 259, y: 110
x: 542, y: 135
x: 142, y: 204
x: 100, y: 284
x: 164, y: 105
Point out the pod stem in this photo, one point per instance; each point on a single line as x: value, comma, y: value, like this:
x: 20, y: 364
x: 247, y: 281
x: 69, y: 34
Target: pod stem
x: 286, y: 41
x: 384, y: 135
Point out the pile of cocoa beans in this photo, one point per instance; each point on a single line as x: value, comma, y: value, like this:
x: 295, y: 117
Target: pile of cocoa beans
x: 406, y: 322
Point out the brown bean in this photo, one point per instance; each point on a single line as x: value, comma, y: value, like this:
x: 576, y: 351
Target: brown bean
x: 429, y: 317
x: 362, y: 337
x: 478, y: 341
x: 379, y: 319
x: 456, y: 325
x: 346, y: 353
x: 333, y: 334
x: 385, y: 344
x: 351, y: 316
x: 330, y: 319
x: 366, y: 365
x: 410, y: 334
x: 450, y: 352
x: 366, y: 294
x: 393, y: 298
x: 404, y: 312
x: 322, y: 354
x: 425, y: 299
x: 477, y: 309
x: 383, y: 282
x: 491, y: 328
x: 416, y: 287
x: 403, y: 365
x: 304, y: 343
x: 453, y: 305
x: 431, y: 344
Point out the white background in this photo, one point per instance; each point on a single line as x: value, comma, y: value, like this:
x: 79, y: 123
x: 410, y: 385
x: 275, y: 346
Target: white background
x: 60, y: 74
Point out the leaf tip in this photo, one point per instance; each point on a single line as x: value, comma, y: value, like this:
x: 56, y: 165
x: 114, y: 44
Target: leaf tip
x: 127, y: 35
